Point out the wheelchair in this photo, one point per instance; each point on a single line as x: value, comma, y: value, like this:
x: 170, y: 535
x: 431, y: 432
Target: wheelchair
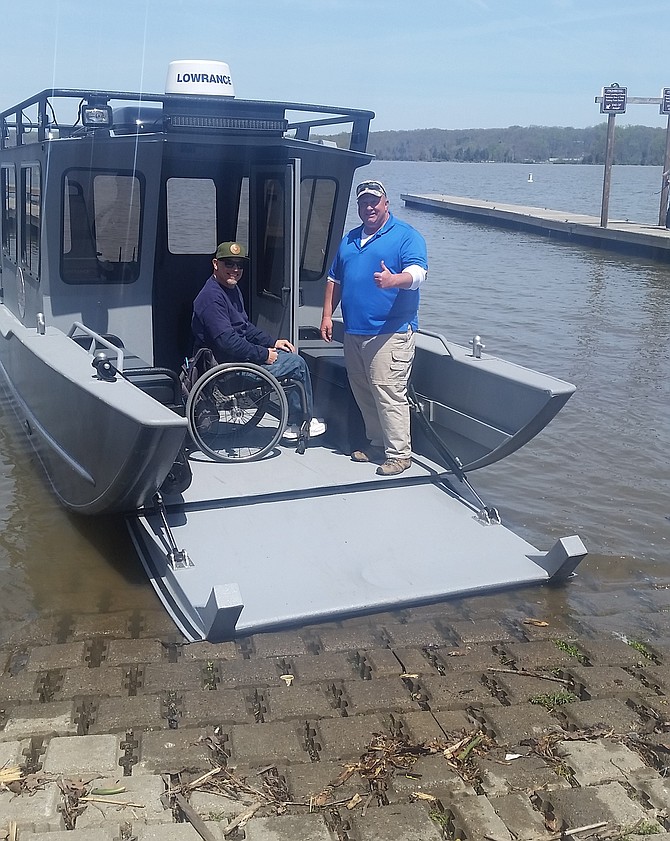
x: 238, y: 412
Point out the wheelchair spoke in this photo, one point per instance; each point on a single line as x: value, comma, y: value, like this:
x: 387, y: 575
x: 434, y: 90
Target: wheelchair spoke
x: 237, y: 412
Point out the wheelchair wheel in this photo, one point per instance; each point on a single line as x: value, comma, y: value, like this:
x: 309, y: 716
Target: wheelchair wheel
x: 236, y: 412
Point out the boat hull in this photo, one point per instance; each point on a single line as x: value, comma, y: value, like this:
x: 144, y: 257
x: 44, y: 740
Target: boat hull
x: 105, y: 446
x: 484, y: 408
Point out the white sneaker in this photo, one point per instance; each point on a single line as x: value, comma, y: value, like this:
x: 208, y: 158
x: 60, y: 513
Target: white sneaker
x: 316, y: 427
x: 291, y: 432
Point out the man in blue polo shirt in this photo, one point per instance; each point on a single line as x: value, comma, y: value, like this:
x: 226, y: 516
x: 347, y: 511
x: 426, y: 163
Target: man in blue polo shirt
x: 221, y: 323
x: 376, y: 274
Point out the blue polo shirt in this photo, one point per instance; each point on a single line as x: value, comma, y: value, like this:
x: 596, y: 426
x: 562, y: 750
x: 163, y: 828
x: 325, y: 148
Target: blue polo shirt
x: 366, y: 309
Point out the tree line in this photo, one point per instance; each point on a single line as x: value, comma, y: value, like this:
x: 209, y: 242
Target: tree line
x: 638, y: 145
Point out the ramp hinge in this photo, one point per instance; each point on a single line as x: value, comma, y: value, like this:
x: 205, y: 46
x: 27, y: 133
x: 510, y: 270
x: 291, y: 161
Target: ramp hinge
x: 177, y: 558
x: 488, y: 514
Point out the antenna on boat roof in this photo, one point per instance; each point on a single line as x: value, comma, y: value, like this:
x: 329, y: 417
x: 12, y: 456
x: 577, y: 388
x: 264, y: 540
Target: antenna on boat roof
x: 200, y: 78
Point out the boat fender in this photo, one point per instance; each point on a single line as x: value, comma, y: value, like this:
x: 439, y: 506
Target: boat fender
x: 103, y: 366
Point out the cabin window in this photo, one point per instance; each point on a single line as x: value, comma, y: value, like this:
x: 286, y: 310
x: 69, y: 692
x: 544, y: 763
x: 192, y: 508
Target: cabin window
x: 317, y: 204
x: 8, y: 188
x: 30, y: 218
x: 102, y: 214
x: 191, y: 215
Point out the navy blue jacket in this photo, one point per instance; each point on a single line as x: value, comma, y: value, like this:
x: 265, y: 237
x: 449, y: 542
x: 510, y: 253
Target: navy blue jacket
x: 221, y: 324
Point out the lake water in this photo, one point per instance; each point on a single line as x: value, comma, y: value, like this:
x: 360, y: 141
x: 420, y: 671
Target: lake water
x: 597, y: 319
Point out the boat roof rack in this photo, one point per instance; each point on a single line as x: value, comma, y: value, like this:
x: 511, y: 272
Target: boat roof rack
x: 161, y: 113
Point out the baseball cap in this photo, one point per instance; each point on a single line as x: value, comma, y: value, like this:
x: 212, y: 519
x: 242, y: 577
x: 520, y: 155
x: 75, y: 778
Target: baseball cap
x: 372, y: 188
x: 228, y: 250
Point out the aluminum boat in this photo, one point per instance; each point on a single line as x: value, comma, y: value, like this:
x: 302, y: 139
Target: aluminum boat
x: 112, y: 206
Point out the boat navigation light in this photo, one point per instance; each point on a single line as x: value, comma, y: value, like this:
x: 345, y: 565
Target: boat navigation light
x: 95, y: 115
x: 199, y: 78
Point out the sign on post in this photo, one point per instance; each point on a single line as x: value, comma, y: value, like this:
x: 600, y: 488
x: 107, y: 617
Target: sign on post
x: 613, y: 100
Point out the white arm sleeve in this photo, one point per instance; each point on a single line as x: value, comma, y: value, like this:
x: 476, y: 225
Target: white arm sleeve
x: 418, y: 275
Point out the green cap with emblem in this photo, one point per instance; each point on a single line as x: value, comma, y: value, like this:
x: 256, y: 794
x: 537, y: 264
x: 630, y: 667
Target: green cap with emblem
x: 231, y: 250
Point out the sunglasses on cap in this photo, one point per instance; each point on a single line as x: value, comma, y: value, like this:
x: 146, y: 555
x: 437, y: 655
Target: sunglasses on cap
x: 375, y: 188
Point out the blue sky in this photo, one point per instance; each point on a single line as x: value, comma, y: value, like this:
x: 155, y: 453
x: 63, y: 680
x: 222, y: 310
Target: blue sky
x: 416, y: 63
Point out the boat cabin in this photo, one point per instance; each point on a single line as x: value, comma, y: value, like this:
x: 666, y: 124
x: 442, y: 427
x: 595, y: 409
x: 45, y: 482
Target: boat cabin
x: 138, y: 190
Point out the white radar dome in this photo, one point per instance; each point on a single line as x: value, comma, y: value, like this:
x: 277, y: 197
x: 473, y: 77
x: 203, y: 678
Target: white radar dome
x: 203, y: 78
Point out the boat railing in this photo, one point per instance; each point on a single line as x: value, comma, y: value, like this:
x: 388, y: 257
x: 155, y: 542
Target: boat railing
x: 439, y: 337
x: 19, y: 123
x: 96, y: 342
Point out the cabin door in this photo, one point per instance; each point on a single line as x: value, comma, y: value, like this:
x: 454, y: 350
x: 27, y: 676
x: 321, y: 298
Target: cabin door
x: 274, y: 248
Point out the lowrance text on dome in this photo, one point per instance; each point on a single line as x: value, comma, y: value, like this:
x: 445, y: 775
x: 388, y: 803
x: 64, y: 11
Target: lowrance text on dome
x: 212, y: 78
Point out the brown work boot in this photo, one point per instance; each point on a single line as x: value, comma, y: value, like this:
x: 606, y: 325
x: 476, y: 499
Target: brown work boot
x: 374, y: 454
x: 393, y: 466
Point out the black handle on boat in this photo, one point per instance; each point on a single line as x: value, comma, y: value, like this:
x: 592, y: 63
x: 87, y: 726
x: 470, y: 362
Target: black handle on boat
x: 487, y: 512
x: 452, y: 460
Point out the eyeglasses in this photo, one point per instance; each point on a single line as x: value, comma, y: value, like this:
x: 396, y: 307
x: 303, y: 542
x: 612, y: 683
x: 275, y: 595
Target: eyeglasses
x: 232, y: 264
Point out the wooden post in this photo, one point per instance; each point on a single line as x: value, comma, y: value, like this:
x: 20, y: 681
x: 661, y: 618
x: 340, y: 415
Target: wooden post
x: 663, y: 210
x: 609, y: 157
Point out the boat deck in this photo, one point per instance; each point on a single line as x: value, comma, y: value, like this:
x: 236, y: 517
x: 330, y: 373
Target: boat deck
x: 321, y: 470
x: 294, y: 538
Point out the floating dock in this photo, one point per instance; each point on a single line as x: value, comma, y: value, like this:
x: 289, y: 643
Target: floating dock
x: 651, y: 241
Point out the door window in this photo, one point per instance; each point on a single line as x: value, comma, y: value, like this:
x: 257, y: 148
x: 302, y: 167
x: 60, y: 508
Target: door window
x: 269, y: 259
x: 317, y: 204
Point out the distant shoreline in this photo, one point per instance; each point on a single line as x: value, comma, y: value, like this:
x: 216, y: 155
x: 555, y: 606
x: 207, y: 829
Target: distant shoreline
x: 633, y: 145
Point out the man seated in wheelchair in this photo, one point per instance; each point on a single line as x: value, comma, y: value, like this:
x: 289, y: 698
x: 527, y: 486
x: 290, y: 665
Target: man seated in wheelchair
x: 221, y: 323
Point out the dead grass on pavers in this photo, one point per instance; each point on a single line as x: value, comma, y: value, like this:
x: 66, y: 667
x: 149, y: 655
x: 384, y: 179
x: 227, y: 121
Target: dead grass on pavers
x: 387, y: 756
x: 16, y: 780
x: 602, y: 831
x: 270, y: 792
x: 10, y: 775
x: 384, y: 757
x: 545, y: 746
x: 77, y: 792
x: 654, y: 750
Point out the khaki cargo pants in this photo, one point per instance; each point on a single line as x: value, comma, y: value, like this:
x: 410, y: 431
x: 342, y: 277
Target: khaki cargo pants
x: 379, y: 368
